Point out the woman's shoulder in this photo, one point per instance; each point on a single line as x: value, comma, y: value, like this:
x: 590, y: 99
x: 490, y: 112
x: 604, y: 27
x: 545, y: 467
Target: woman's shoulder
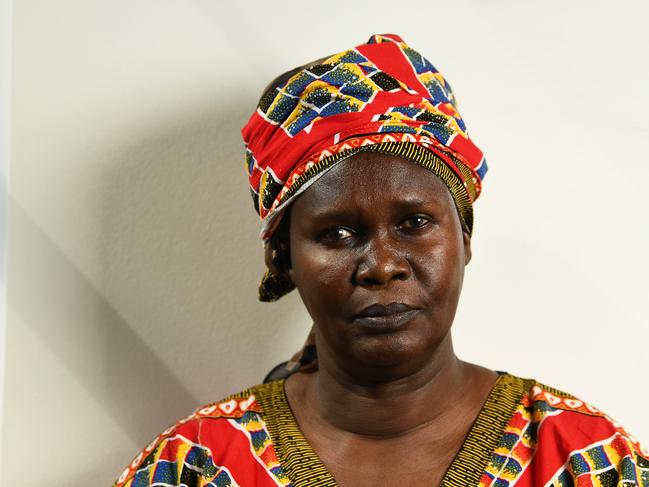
x: 540, y: 402
x: 568, y: 437
x: 547, y: 401
x: 191, y: 451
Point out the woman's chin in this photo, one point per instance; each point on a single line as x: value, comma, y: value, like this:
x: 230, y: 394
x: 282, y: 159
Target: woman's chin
x: 389, y: 356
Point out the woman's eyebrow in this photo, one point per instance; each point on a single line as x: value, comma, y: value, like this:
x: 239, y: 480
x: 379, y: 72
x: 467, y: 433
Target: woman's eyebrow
x: 411, y: 202
x: 345, y: 214
x: 333, y: 214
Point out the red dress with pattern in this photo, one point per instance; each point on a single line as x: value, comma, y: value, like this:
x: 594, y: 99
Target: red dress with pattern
x: 526, y: 434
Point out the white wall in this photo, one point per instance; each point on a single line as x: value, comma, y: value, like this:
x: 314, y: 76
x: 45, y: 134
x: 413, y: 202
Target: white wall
x: 5, y: 107
x: 134, y: 261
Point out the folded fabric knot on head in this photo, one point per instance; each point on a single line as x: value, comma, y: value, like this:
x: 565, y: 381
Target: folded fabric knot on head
x: 380, y: 96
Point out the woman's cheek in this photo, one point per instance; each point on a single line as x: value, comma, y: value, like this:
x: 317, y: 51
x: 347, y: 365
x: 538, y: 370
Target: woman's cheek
x: 321, y: 273
x: 438, y: 278
x: 327, y: 263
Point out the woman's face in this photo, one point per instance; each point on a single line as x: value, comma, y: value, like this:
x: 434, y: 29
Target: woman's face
x: 378, y: 256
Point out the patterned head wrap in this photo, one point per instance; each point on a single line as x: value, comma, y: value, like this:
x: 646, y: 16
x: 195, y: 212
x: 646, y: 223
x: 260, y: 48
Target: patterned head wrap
x: 380, y: 96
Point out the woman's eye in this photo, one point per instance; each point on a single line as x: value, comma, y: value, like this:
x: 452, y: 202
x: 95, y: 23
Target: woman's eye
x: 335, y: 234
x: 415, y: 222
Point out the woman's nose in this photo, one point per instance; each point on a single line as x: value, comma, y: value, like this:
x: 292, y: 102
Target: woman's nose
x: 381, y: 262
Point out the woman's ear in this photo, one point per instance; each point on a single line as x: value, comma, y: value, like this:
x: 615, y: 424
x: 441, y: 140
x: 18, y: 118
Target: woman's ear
x: 270, y: 257
x: 289, y: 273
x: 278, y: 258
x: 466, y: 239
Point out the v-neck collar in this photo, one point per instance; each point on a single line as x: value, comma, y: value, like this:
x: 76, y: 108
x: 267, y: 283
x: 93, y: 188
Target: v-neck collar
x: 305, y: 469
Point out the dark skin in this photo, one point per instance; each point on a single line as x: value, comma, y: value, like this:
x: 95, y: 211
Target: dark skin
x: 378, y: 254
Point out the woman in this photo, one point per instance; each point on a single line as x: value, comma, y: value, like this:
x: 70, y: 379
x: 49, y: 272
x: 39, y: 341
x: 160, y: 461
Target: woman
x: 364, y: 176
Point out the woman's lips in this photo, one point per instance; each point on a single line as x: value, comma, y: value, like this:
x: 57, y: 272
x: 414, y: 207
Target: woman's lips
x: 382, y: 317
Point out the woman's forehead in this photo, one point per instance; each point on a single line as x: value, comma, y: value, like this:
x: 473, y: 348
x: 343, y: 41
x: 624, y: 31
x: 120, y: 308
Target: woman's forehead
x: 369, y: 178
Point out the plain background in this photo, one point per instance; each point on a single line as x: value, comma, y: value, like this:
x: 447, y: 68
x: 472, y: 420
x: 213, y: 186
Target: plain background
x: 133, y: 251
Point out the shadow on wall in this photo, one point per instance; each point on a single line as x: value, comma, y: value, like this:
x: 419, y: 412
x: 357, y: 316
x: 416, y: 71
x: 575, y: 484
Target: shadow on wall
x: 174, y: 320
x: 86, y: 333
x: 182, y: 261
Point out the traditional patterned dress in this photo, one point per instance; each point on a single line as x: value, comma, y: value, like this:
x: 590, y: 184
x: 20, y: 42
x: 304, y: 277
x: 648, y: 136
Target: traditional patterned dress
x: 526, y: 434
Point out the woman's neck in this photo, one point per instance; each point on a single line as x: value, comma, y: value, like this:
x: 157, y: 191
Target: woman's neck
x: 433, y: 395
